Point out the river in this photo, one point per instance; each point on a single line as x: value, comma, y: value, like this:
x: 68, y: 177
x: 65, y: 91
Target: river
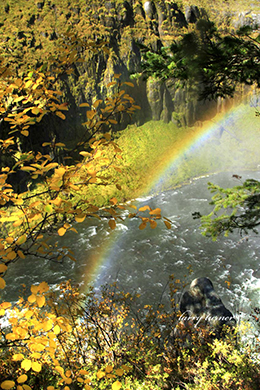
x: 142, y: 260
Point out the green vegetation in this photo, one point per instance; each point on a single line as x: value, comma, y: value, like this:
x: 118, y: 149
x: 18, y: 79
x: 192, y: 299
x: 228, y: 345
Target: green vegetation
x: 66, y: 340
x: 216, y: 63
x: 63, y: 340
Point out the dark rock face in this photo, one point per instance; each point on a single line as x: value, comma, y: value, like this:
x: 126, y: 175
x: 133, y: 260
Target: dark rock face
x: 130, y: 23
x: 202, y: 307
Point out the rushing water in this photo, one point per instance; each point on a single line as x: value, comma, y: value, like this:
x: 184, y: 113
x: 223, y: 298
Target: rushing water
x: 143, y: 260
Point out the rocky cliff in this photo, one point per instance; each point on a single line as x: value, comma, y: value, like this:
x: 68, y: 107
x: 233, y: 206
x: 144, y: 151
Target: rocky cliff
x: 30, y: 31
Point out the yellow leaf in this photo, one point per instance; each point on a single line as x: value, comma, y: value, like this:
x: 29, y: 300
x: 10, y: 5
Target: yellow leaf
x: 36, y: 366
x: 40, y: 301
x: 5, y: 305
x: 2, y: 312
x: 116, y: 385
x: 22, y: 378
x: 80, y: 218
x: 83, y: 372
x: 11, y: 336
x: 129, y: 84
x: 74, y: 230
x: 26, y: 364
x: 17, y: 223
x: 113, y: 121
x: 153, y: 224
x: 93, y: 180
x: 60, y: 144
x: 11, y: 255
x: 167, y: 224
x: 25, y: 133
x: 3, y: 268
x: 26, y: 387
x: 34, y: 289
x: 100, y: 374
x: 20, y: 254
x: 57, y: 201
x: 35, y: 110
x: 142, y: 226
x: 43, y: 287
x: 28, y: 84
x: 18, y: 356
x: 61, y: 231
x: 155, y: 212
x: 84, y: 105
x: 113, y: 201
x: 21, y: 240
x: 144, y: 208
x: 111, y: 83
x: 18, y: 202
x: 50, y: 388
x: 60, y: 114
x: 60, y: 370
x: 56, y: 329
x: 109, y: 369
x: 119, y: 371
x: 9, y: 240
x: 85, y: 154
x: 112, y: 224
x: 32, y: 298
x: 6, y: 385
x: 2, y: 283
x: 27, y: 168
x: 97, y: 103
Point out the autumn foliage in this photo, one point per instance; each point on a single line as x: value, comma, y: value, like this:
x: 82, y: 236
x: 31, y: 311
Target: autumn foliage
x: 60, y: 338
x: 40, y: 336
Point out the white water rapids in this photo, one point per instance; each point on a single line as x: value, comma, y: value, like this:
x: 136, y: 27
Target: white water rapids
x: 143, y: 260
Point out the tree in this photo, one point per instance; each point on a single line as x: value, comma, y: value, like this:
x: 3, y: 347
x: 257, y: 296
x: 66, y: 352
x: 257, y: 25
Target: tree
x: 57, y: 192
x: 215, y: 62
x: 236, y: 208
x: 57, y: 180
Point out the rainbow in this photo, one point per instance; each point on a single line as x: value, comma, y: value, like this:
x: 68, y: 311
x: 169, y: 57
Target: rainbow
x: 193, y: 140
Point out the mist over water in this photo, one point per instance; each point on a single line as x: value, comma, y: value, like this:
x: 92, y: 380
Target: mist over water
x: 142, y: 261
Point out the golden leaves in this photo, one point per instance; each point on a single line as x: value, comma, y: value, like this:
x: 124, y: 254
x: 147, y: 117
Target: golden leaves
x: 116, y: 385
x: 7, y: 385
x: 2, y: 283
x: 22, y: 378
x: 112, y: 224
x: 56, y: 329
x: 3, y: 268
x: 21, y: 240
x: 61, y: 231
x: 26, y: 364
x: 60, y: 115
x: 40, y: 300
x: 167, y: 224
x: 17, y: 357
x: 36, y: 366
x: 156, y: 212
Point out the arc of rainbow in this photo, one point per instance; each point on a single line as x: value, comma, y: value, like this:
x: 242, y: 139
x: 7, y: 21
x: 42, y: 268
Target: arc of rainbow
x: 192, y: 140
